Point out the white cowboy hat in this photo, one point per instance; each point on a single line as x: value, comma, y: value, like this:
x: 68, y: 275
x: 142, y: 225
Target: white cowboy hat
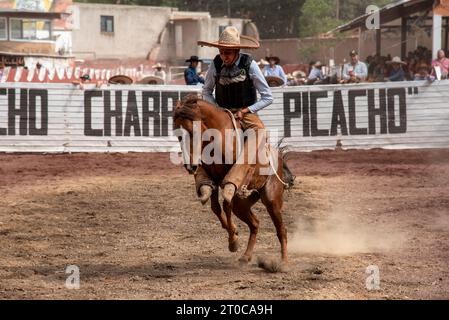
x: 158, y: 65
x: 396, y: 60
x: 298, y: 74
x: 231, y: 39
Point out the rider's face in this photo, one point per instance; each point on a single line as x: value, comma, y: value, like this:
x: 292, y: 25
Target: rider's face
x: 228, y: 56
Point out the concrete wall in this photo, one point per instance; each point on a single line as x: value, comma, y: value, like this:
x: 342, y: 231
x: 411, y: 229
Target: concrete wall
x: 145, y: 32
x: 136, y: 30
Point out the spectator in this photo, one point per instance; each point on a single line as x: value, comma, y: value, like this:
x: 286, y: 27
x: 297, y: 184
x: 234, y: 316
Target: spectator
x: 190, y: 75
x: 379, y: 70
x: 316, y: 73
x: 423, y: 73
x: 299, y: 79
x: 441, y: 62
x: 355, y: 71
x: 159, y: 72
x: 397, y: 72
x: 274, y: 69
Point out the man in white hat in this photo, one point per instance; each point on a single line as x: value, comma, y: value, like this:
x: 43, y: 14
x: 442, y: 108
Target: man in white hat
x: 397, y: 73
x: 236, y: 79
x: 159, y: 72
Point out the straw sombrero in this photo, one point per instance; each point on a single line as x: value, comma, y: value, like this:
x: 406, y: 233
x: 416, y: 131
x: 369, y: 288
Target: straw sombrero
x: 120, y: 79
x: 151, y: 80
x: 231, y: 39
x: 299, y: 74
x: 274, y: 81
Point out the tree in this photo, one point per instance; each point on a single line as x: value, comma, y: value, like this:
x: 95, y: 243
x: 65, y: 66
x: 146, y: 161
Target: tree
x: 319, y: 16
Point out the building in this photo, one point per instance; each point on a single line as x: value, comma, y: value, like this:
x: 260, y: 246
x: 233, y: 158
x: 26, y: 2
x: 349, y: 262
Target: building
x: 121, y: 32
x: 31, y: 35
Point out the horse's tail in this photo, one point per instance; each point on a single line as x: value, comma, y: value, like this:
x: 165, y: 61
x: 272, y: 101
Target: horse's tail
x: 288, y: 177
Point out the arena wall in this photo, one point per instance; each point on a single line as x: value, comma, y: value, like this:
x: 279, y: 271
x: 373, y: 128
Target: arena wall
x: 55, y: 118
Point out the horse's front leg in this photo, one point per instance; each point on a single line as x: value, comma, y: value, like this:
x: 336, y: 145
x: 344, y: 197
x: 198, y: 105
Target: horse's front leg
x: 232, y: 229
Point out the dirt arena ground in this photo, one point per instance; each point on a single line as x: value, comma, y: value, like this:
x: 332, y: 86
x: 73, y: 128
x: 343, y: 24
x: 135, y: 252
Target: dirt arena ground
x: 133, y: 226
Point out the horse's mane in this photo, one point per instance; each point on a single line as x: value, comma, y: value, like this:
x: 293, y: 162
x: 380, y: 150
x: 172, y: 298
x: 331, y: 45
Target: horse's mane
x: 186, y: 111
x: 188, y: 108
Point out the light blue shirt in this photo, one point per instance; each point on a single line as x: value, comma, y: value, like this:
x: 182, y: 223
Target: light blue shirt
x: 316, y: 73
x: 276, y: 72
x: 261, y: 85
x: 360, y: 70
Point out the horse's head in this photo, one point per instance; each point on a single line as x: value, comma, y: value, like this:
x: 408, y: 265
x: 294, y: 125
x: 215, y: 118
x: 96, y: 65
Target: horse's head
x: 185, y: 114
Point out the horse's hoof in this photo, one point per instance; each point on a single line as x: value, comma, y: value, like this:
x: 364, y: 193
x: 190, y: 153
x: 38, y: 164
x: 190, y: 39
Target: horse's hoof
x: 234, y: 245
x: 245, y: 260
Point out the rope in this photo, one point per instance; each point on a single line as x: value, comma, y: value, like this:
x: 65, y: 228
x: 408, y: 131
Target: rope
x: 270, y: 159
x: 237, y: 133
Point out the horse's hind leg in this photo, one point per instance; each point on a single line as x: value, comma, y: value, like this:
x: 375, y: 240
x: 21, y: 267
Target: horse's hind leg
x: 274, y: 208
x: 216, y: 208
x: 232, y: 229
x: 242, y: 210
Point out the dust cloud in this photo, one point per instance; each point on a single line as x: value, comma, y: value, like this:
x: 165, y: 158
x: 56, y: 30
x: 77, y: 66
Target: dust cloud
x: 338, y: 234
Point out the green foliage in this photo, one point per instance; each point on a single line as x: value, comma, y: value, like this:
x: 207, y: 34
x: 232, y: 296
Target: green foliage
x: 319, y: 16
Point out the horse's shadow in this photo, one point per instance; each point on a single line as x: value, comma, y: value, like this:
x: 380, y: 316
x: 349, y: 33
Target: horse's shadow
x: 194, y: 266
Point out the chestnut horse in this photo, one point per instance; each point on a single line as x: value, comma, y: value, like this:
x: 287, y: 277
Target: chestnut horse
x: 271, y: 194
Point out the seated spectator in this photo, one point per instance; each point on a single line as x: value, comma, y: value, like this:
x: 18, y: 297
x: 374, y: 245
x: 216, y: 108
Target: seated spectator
x: 372, y: 64
x: 379, y: 70
x: 355, y: 71
x: 423, y: 73
x: 441, y: 62
x: 299, y: 79
x: 397, y: 72
x: 159, y: 72
x: 191, y: 76
x: 274, y: 69
x: 316, y: 74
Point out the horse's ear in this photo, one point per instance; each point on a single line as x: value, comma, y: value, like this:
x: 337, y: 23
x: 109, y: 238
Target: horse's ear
x: 178, y: 104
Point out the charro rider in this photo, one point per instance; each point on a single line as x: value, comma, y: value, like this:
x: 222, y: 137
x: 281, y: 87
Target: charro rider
x: 236, y: 78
